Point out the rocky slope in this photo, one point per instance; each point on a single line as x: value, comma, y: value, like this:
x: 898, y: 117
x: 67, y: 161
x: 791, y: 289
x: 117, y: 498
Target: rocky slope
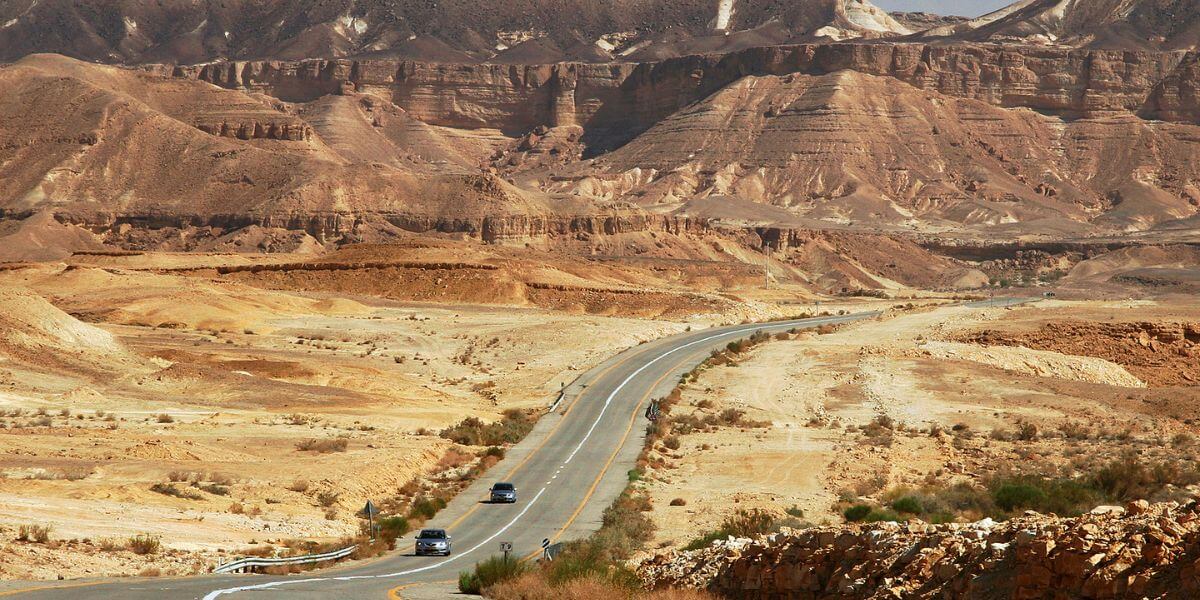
x: 511, y: 31
x: 114, y: 148
x: 1143, y: 551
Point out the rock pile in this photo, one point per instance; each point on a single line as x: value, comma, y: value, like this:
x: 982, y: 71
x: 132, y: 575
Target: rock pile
x: 1139, y: 551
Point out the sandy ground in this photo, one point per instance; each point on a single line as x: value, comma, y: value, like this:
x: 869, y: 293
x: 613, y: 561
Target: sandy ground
x: 816, y: 390
x: 113, y: 380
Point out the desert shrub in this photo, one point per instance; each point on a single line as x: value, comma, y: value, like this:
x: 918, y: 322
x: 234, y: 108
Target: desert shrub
x: 1012, y: 496
x: 510, y: 429
x: 143, y: 543
x: 424, y: 508
x: 170, y: 489
x: 391, y: 528
x: 454, y: 458
x: 1026, y: 431
x: 678, y: 502
x: 795, y: 512
x: 215, y: 489
x: 589, y: 559
x: 164, y: 418
x: 671, y: 442
x: 39, y: 534
x: 877, y: 515
x: 494, y: 570
x: 328, y: 499
x: 1075, y: 431
x: 150, y: 572
x: 856, y: 513
x: 742, y: 524
x: 324, y: 446
x: 907, y: 505
x: 220, y: 479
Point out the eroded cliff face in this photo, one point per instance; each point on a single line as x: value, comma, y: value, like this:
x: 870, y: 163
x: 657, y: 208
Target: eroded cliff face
x: 615, y: 101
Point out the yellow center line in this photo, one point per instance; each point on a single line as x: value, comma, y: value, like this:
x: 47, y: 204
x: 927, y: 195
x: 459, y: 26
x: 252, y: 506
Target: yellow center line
x: 67, y: 586
x: 394, y: 593
x: 545, y: 440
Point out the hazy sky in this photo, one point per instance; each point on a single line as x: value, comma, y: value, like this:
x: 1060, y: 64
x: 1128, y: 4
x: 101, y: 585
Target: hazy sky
x: 966, y: 8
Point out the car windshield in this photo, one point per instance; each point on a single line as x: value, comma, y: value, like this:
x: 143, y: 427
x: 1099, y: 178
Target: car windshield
x: 433, y: 534
x: 503, y: 487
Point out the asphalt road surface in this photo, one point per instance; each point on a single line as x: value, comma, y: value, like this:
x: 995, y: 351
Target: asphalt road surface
x: 571, y: 466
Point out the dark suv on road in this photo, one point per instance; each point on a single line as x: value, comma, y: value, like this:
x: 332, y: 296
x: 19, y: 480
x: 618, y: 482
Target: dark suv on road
x: 433, y: 541
x: 504, y: 492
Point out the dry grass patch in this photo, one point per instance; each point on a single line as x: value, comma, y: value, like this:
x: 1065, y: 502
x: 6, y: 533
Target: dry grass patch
x: 324, y: 446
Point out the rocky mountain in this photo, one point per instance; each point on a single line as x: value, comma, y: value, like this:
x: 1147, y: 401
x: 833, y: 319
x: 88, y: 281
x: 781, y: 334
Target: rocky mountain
x: 510, y: 31
x: 1124, y: 24
x: 932, y: 138
x: 105, y: 147
x: 887, y: 134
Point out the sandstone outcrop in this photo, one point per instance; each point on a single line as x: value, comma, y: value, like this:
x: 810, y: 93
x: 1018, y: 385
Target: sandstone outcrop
x: 1140, y: 551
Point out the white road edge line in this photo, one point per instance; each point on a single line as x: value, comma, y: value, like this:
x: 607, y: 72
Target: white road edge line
x: 273, y: 584
x: 607, y: 401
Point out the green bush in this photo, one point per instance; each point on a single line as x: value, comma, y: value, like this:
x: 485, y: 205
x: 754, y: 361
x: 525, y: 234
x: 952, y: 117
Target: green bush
x: 490, y: 572
x: 878, y: 514
x: 856, y: 513
x: 1013, y: 496
x: 909, y: 505
x: 391, y: 528
x: 590, y: 558
x: 424, y: 507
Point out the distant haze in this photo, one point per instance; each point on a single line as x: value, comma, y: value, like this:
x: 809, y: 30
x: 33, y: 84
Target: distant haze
x: 965, y: 8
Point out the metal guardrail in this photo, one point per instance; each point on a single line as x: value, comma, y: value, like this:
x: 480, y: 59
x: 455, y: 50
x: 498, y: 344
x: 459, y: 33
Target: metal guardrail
x: 243, y: 564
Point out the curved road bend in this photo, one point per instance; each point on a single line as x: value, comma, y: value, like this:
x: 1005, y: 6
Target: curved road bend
x: 570, y: 467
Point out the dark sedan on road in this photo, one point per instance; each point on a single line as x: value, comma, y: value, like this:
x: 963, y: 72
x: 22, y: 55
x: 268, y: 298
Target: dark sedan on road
x: 433, y: 541
x: 504, y: 492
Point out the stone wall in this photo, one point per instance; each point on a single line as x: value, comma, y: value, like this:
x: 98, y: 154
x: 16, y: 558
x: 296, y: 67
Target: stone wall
x: 1138, y: 551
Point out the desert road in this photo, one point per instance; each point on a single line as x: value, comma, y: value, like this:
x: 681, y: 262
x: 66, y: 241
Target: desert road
x: 572, y: 466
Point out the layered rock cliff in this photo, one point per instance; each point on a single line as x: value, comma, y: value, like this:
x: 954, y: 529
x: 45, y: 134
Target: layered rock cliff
x: 613, y: 102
